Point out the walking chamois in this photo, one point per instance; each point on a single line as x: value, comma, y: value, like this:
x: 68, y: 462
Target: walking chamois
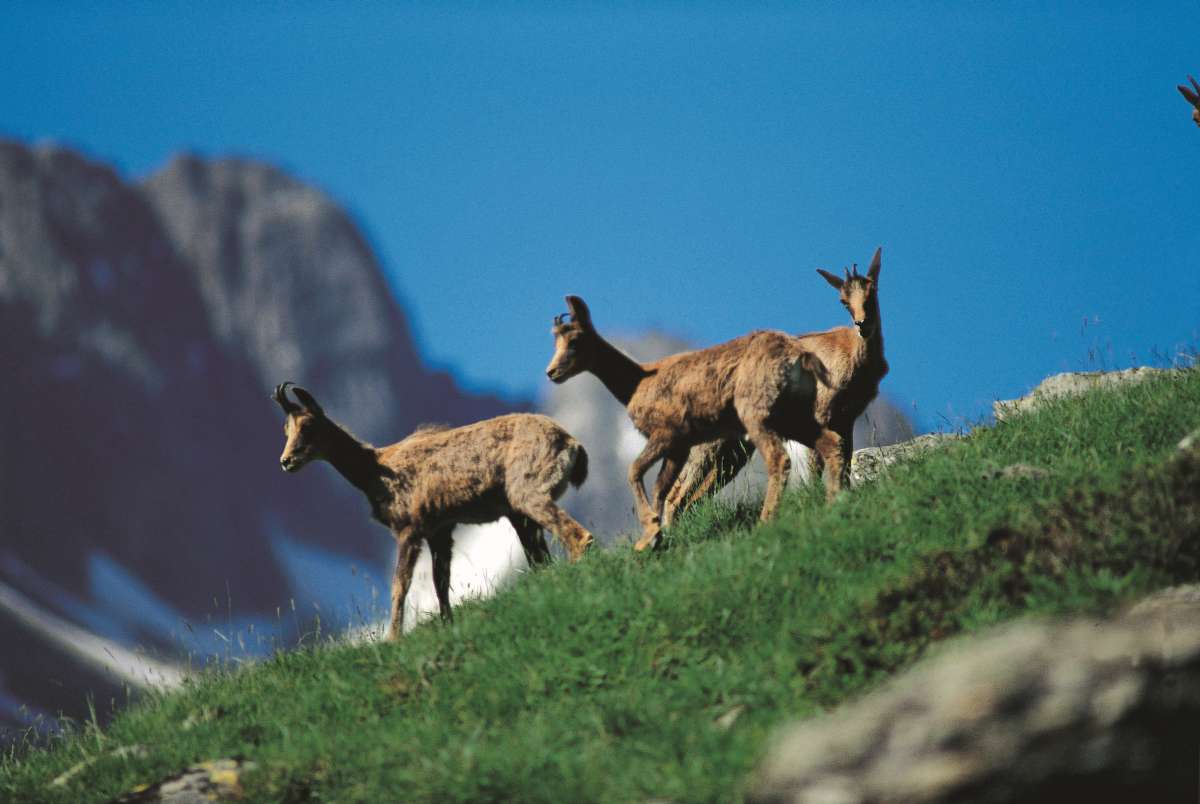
x: 763, y: 385
x: 512, y: 466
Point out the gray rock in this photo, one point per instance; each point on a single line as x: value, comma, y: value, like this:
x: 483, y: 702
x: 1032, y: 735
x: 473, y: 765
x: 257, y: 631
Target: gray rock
x: 215, y: 780
x: 1071, y: 384
x: 1032, y: 711
x: 1017, y: 471
x: 872, y: 462
x: 1189, y: 442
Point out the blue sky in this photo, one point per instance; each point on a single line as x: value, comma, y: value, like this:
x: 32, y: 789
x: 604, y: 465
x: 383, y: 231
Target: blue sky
x: 1030, y: 172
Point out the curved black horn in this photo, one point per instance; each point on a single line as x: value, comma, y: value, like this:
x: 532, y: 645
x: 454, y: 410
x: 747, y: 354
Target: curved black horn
x: 280, y: 396
x: 558, y: 319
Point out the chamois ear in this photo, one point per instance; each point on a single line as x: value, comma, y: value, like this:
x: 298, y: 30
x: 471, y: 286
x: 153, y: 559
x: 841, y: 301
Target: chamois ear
x: 873, y: 271
x: 306, y: 399
x: 579, y: 311
x: 832, y: 279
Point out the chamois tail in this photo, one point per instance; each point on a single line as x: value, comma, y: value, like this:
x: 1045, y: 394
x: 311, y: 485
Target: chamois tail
x: 579, y: 467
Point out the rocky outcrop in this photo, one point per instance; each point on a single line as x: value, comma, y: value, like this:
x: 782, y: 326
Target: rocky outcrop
x: 1071, y: 384
x: 1034, y: 711
x: 872, y: 462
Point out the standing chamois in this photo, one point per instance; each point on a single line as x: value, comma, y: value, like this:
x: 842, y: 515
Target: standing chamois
x: 761, y: 385
x: 854, y: 363
x: 1193, y: 97
x: 512, y: 466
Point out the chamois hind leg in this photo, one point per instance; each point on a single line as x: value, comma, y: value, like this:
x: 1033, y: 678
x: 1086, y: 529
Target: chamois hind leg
x: 668, y: 473
x: 834, y: 450
x: 816, y: 464
x: 709, y: 468
x: 441, y: 548
x: 533, y: 542
x: 647, y: 516
x: 546, y: 513
x: 408, y: 549
x: 779, y: 464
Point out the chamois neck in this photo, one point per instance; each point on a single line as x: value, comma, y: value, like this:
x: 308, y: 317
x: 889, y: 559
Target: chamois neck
x: 874, y: 344
x: 354, y: 460
x: 620, y: 373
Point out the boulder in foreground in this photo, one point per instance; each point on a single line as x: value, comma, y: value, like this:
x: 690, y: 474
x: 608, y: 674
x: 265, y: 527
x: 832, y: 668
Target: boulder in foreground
x: 1034, y: 711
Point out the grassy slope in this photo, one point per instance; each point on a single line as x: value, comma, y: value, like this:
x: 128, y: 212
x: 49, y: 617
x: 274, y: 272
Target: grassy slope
x: 609, y: 680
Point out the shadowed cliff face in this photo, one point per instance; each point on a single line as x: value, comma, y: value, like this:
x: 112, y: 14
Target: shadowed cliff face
x: 289, y: 283
x: 127, y: 429
x: 143, y: 328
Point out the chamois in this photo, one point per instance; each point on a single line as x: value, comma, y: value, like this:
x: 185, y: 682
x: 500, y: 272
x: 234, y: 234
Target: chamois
x: 853, y: 358
x: 512, y: 466
x: 761, y: 385
x: 1193, y: 97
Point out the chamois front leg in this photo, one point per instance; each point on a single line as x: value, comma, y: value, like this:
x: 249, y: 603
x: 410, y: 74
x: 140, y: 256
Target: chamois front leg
x: 668, y: 473
x: 408, y: 549
x: 647, y: 516
x: 847, y: 453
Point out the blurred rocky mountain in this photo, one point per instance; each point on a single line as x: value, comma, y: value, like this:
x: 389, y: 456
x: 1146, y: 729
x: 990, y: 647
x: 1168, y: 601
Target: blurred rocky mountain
x: 143, y: 327
x: 289, y: 283
x: 585, y: 407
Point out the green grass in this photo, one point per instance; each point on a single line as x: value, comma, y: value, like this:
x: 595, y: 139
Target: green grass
x: 627, y: 677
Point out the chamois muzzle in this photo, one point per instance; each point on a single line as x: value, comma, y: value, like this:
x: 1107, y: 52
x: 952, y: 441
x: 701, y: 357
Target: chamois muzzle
x: 293, y: 463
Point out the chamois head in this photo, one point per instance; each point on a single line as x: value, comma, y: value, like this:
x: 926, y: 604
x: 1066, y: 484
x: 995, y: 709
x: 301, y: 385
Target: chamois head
x: 302, y: 427
x: 858, y: 294
x: 1193, y: 97
x: 574, y: 342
